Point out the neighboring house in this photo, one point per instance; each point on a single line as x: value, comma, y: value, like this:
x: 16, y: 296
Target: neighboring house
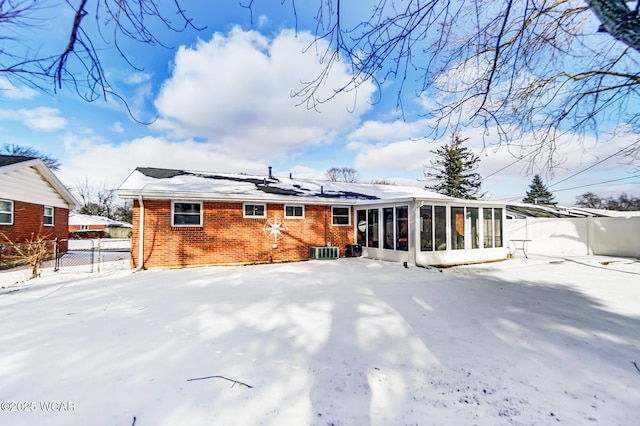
x: 184, y: 218
x: 80, y: 224
x: 33, y: 202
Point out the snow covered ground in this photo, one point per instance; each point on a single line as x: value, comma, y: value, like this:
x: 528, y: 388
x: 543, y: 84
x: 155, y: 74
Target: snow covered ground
x: 541, y: 341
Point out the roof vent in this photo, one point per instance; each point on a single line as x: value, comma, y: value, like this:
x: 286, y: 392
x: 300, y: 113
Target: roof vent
x: 270, y: 175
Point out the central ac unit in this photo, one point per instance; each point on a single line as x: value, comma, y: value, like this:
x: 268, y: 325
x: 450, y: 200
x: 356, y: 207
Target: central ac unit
x: 324, y: 252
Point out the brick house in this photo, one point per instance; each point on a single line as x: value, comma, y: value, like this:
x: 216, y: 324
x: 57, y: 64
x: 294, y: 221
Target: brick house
x: 188, y: 218
x: 33, y: 202
x: 84, y: 225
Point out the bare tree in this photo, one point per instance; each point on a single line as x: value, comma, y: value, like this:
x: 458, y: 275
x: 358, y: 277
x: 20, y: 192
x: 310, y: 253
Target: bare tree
x: 343, y: 174
x: 31, y: 252
x: 533, y: 71
x: 93, y: 26
x: 624, y: 202
x: 96, y: 200
x: 528, y: 70
x: 29, y: 151
x: 589, y: 200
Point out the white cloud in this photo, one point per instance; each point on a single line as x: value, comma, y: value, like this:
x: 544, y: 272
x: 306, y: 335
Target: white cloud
x: 304, y: 172
x: 138, y: 77
x: 409, y: 155
x: 40, y: 118
x: 388, y: 131
x: 100, y: 161
x: 8, y: 90
x: 117, y: 127
x: 504, y: 176
x: 235, y: 92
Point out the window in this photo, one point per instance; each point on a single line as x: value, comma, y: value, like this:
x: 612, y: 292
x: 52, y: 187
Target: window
x: 186, y: 213
x: 361, y: 223
x: 6, y: 212
x: 474, y: 221
x: 255, y: 210
x: 387, y: 228
x: 402, y: 228
x: 84, y: 227
x: 497, y: 226
x: 48, y: 216
x: 457, y: 228
x: 372, y: 228
x: 395, y: 228
x: 440, y: 227
x: 492, y: 227
x: 341, y: 215
x: 487, y: 220
x: 426, y: 228
x: 294, y: 212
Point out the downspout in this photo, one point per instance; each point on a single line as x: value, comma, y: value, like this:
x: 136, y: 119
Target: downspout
x: 140, y: 236
x: 417, y: 223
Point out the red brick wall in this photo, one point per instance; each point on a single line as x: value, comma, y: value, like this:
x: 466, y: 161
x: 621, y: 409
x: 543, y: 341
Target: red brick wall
x: 227, y: 237
x: 28, y: 220
x: 73, y: 228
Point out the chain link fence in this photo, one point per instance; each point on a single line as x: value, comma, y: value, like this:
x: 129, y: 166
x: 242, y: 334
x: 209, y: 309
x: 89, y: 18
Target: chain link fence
x: 94, y: 255
x: 65, y: 256
x: 29, y: 254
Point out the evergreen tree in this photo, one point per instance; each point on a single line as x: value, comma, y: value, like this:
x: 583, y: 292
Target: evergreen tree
x: 454, y: 170
x: 538, y: 193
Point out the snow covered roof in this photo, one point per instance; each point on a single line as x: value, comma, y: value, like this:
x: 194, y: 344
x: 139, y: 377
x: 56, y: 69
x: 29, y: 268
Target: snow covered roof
x: 86, y: 219
x: 606, y: 213
x: 172, y: 184
x: 523, y: 210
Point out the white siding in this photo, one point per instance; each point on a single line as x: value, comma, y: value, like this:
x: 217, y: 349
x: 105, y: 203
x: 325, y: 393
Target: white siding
x: 29, y: 186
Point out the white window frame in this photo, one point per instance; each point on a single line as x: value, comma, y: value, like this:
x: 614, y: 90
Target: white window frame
x: 254, y: 216
x: 184, y: 225
x: 9, y: 212
x: 333, y: 216
x: 294, y: 206
x: 52, y: 216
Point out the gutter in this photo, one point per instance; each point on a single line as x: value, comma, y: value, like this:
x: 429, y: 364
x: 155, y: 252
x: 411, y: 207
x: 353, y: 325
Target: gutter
x: 140, y: 236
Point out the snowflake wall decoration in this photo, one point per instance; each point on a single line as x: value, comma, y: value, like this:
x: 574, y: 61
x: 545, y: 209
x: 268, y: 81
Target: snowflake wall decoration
x: 274, y: 227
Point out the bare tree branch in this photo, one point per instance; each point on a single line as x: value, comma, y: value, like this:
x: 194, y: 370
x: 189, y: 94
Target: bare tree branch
x: 79, y: 64
x: 541, y: 70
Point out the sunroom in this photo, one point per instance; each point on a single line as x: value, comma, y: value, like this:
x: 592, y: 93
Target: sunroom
x: 431, y: 231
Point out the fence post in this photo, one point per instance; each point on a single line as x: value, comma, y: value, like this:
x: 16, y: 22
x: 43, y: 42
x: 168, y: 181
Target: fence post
x: 56, y: 252
x: 93, y: 252
x: 1, y: 254
x: 99, y: 257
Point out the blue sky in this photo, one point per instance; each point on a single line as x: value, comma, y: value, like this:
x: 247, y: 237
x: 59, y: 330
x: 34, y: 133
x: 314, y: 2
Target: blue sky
x: 222, y: 98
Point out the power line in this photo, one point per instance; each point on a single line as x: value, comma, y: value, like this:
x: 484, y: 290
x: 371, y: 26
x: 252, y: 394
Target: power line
x: 515, y: 197
x: 598, y: 183
x: 593, y: 165
x: 505, y: 167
